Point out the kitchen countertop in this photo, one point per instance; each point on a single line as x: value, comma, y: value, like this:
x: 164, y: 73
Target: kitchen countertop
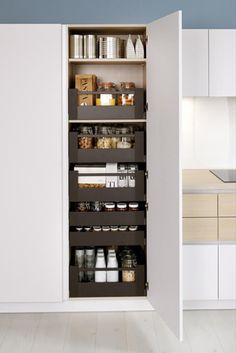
x: 199, y: 181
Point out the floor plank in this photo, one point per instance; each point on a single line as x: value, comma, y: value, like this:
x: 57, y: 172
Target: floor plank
x: 200, y: 333
x: 167, y: 341
x: 81, y: 333
x: 141, y: 336
x: 111, y: 333
x: 20, y: 334
x: 50, y: 335
x: 5, y: 321
x: 224, y: 324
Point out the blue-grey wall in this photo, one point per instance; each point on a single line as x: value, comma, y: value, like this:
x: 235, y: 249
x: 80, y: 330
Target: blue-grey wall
x: 196, y: 13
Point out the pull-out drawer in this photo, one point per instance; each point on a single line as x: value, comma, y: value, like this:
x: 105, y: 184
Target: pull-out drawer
x: 227, y: 229
x: 227, y: 205
x: 200, y: 229
x: 199, y: 205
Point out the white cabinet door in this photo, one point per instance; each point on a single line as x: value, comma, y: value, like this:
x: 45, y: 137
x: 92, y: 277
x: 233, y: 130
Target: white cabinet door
x: 163, y: 161
x: 200, y: 272
x: 222, y: 62
x: 31, y: 166
x: 195, y: 62
x: 227, y: 272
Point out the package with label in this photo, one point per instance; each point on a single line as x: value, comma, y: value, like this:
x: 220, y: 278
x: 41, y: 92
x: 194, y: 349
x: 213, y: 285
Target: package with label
x: 111, y: 181
x: 91, y: 181
x: 86, y: 83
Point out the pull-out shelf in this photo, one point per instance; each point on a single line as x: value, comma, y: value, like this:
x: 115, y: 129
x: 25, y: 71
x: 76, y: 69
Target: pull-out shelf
x: 130, y: 155
x: 117, y: 238
x: 136, y: 193
x: 107, y: 289
x: 107, y: 218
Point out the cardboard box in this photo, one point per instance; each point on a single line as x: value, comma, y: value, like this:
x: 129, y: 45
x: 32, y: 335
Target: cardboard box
x: 86, y: 83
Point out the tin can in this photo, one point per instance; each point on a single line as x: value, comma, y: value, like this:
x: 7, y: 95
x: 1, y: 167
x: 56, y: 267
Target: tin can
x: 76, y: 46
x: 90, y: 46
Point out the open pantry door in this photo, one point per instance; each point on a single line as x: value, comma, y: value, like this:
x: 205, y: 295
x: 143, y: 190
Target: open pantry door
x: 164, y: 235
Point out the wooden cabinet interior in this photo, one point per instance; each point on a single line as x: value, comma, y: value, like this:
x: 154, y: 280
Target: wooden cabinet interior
x: 108, y: 70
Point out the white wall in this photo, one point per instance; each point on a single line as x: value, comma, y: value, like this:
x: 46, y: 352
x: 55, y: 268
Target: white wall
x: 209, y: 133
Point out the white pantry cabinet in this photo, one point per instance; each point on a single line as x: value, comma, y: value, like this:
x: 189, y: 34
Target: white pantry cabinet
x: 200, y: 272
x: 31, y: 158
x: 222, y: 62
x: 34, y: 182
x: 227, y: 272
x: 195, y: 62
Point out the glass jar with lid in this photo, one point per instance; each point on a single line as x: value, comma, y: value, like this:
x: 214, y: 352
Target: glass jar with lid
x: 124, y: 141
x: 126, y: 98
x: 104, y: 141
x: 128, y: 263
x: 85, y: 141
x: 122, y: 178
x: 105, y: 95
x: 110, y: 207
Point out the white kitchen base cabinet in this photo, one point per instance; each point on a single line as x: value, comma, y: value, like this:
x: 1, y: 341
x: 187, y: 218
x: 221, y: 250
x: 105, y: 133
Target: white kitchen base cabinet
x: 200, y: 272
x: 227, y: 272
x: 195, y: 62
x: 222, y: 63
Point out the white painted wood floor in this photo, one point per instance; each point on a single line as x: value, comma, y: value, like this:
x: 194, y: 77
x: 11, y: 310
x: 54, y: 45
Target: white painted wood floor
x: 133, y: 332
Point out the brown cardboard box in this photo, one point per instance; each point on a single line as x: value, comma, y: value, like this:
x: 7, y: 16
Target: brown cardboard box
x: 86, y: 83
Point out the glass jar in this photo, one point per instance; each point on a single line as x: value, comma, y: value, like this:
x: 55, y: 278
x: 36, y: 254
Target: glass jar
x: 87, y: 228
x: 97, y: 206
x: 104, y: 98
x: 79, y: 228
x: 128, y: 260
x: 133, y: 206
x: 126, y: 99
x: 132, y: 168
x: 121, y: 206
x: 79, y: 261
x: 106, y: 228
x: 104, y: 141
x: 89, y: 263
x: 122, y: 178
x: 133, y: 228
x: 123, y: 228
x: 83, y: 206
x: 110, y: 206
x: 114, y: 228
x: 97, y: 228
x: 85, y: 142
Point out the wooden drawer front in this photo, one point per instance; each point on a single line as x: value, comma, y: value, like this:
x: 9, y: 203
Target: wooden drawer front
x: 227, y: 229
x: 200, y: 229
x: 199, y: 205
x: 227, y: 205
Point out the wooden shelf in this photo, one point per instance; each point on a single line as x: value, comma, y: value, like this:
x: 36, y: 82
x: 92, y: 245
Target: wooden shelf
x: 108, y: 61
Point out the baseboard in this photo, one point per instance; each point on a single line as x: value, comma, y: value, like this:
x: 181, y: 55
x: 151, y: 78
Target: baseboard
x: 209, y: 304
x: 80, y: 305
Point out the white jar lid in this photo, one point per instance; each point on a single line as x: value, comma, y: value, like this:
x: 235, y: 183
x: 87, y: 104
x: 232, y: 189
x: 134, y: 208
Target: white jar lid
x: 122, y: 205
x: 89, y: 251
x: 110, y: 205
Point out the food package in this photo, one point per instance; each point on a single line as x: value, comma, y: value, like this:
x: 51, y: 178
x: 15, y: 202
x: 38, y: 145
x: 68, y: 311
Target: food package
x: 86, y: 83
x: 91, y: 181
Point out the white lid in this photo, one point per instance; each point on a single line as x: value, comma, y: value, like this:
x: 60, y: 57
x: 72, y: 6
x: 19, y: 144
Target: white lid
x: 79, y: 251
x: 133, y: 204
x: 122, y: 205
x: 110, y: 205
x: 89, y: 251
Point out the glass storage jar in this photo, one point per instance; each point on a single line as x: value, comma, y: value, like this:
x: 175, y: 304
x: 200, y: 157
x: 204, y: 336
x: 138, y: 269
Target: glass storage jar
x: 104, y: 141
x: 86, y: 141
x: 122, y: 206
x: 124, y: 141
x: 96, y: 206
x: 104, y: 95
x: 110, y: 206
x: 126, y: 99
x: 128, y: 263
x: 83, y: 206
x: 133, y: 206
